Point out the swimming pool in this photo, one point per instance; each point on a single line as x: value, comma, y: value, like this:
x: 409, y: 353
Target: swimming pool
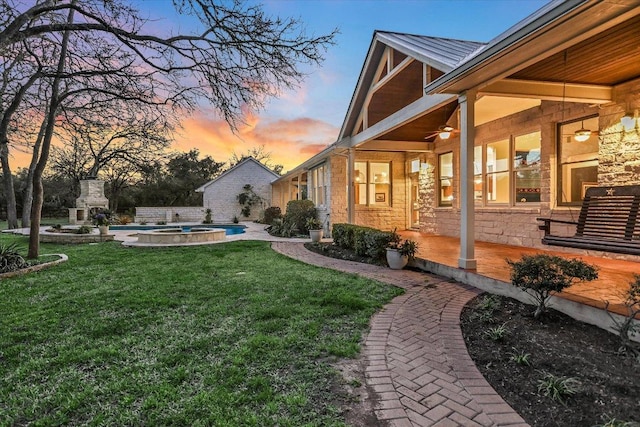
x: 229, y: 229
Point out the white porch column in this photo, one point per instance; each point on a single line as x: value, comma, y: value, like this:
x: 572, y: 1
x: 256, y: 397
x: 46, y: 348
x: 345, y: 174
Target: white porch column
x: 350, y: 196
x: 467, y: 204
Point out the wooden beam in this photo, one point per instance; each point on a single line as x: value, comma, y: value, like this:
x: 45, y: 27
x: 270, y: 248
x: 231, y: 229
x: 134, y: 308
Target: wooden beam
x: 550, y: 91
x: 383, y: 145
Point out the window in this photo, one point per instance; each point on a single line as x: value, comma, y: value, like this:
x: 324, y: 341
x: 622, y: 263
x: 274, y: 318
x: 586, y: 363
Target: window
x: 511, y: 171
x: 477, y: 173
x: 319, y: 186
x: 372, y: 184
x: 526, y: 168
x: 445, y: 171
x: 415, y: 166
x: 497, y: 172
x: 578, y: 161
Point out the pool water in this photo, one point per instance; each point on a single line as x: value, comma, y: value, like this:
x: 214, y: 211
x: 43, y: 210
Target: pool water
x: 229, y: 229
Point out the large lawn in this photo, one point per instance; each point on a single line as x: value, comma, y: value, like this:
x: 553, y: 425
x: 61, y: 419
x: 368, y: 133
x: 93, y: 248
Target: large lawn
x: 231, y: 334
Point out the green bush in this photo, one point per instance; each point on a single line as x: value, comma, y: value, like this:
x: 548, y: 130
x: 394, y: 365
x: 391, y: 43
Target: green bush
x: 272, y: 213
x: 364, y: 241
x: 539, y: 275
x: 84, y: 229
x: 10, y: 259
x: 628, y: 326
x: 207, y: 217
x: 375, y: 242
x: 342, y: 235
x: 298, y: 212
x: 558, y: 388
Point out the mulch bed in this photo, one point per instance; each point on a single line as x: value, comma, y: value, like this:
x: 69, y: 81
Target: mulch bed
x: 608, y: 381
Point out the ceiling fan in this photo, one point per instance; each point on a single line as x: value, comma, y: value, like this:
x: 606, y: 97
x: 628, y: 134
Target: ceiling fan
x: 443, y: 132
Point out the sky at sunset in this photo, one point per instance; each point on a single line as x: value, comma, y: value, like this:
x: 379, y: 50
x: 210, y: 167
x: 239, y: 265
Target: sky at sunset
x: 300, y: 123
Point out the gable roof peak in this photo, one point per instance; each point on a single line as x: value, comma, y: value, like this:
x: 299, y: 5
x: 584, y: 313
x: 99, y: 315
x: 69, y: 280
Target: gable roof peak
x: 424, y: 36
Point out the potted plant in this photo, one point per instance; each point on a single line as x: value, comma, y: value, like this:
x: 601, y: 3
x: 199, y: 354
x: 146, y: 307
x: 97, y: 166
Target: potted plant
x: 399, y: 251
x: 315, y: 229
x: 101, y: 220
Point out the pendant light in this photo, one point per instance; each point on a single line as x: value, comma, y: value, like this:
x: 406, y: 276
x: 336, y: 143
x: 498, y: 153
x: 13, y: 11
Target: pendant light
x: 582, y: 134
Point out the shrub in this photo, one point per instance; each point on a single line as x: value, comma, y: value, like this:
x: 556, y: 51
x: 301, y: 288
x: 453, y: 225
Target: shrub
x: 364, y: 241
x: 405, y: 247
x: 271, y: 213
x: 298, y: 212
x: 613, y: 422
x: 124, y: 219
x: 282, y: 229
x: 207, y: 217
x: 84, y: 229
x: 294, y: 221
x: 314, y: 224
x: 497, y: 333
x: 539, y: 275
x: 161, y: 223
x: 488, y: 302
x: 628, y: 327
x: 558, y: 388
x: 520, y: 358
x: 376, y: 242
x: 10, y: 259
x: 359, y: 245
x: 342, y: 235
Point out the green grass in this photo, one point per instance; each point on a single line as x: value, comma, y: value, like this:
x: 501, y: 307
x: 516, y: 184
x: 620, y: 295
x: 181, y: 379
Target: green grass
x: 228, y: 335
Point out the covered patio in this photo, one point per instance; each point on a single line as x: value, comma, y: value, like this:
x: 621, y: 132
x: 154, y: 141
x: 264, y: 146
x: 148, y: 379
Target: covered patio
x: 439, y: 254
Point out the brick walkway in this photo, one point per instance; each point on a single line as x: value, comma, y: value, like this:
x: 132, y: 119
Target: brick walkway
x: 416, y: 358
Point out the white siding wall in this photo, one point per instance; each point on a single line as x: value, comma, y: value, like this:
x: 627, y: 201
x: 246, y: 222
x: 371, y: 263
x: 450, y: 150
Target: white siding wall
x: 221, y: 196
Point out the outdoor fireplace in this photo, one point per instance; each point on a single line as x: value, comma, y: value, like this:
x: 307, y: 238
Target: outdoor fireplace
x: 91, y: 199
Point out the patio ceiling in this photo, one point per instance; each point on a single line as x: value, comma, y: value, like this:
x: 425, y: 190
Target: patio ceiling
x: 583, y: 72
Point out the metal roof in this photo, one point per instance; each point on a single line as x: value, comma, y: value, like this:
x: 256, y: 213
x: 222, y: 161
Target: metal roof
x: 442, y: 53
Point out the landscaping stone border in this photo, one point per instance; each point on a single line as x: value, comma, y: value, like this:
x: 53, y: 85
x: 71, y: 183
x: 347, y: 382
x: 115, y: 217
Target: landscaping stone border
x: 37, y: 267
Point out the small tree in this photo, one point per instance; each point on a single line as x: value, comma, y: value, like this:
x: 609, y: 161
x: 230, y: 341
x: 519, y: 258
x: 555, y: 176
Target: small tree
x: 539, y: 275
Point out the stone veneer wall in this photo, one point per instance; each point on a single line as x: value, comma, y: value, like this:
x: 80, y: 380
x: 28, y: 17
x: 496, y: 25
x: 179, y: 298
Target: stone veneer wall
x: 619, y: 149
x: 383, y: 218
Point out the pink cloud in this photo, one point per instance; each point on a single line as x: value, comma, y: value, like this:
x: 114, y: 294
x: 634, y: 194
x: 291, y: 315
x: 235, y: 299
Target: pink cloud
x: 290, y: 142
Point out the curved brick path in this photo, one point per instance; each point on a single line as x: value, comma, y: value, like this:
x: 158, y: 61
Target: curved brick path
x: 416, y: 358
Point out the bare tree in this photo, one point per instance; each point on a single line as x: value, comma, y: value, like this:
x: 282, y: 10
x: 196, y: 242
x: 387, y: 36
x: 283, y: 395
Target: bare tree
x: 99, y: 51
x: 121, y: 135
x: 260, y: 154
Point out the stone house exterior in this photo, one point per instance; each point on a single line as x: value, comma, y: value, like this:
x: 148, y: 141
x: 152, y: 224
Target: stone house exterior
x: 476, y: 140
x: 221, y: 194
